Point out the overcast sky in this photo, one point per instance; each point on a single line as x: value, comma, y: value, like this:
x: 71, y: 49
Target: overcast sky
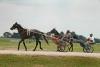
x: 81, y: 16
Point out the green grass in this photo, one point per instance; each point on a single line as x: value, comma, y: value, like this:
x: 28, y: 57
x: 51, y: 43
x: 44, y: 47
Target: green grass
x: 44, y: 61
x: 13, y: 43
x: 47, y: 61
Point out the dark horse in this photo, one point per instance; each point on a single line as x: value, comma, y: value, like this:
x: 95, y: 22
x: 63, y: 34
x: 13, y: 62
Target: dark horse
x: 60, y: 36
x: 83, y: 43
x: 25, y: 34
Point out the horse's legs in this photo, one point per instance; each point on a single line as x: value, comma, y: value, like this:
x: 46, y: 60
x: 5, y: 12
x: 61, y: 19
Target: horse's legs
x: 40, y: 45
x: 36, y: 45
x: 64, y: 46
x: 24, y: 45
x: 19, y: 44
x: 58, y: 47
x: 71, y: 47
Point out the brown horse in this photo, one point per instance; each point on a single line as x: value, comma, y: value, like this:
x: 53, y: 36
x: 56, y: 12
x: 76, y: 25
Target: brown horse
x: 25, y: 34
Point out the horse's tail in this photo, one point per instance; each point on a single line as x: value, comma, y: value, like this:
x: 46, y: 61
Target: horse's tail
x: 45, y: 38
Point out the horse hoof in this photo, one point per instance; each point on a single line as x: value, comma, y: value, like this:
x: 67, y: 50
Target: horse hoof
x: 34, y: 50
x: 41, y: 48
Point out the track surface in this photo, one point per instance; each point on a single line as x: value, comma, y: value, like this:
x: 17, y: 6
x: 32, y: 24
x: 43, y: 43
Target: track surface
x: 49, y: 53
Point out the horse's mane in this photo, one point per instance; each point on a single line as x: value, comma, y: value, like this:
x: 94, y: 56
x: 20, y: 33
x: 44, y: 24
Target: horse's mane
x: 20, y: 26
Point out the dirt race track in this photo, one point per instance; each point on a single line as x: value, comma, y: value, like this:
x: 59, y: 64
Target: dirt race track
x: 50, y: 53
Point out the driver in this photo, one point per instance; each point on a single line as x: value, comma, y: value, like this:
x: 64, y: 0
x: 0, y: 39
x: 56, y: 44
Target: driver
x: 90, y: 39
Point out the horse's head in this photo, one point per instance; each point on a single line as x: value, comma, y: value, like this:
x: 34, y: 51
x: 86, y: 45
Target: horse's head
x: 74, y: 35
x: 16, y: 25
x: 54, y: 31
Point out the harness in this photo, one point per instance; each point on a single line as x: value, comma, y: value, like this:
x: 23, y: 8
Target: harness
x: 28, y: 32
